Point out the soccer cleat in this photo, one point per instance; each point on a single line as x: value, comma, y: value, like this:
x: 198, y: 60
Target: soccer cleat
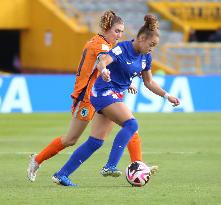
x: 110, y: 171
x: 62, y: 180
x: 32, y: 168
x: 154, y: 169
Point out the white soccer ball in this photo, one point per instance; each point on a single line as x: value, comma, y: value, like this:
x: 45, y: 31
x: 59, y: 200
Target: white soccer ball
x: 137, y: 173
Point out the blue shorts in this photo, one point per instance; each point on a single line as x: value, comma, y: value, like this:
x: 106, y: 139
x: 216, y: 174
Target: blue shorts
x: 100, y: 102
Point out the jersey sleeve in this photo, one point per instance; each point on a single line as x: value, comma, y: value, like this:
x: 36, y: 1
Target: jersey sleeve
x: 115, y: 53
x: 101, y: 49
x: 148, y: 62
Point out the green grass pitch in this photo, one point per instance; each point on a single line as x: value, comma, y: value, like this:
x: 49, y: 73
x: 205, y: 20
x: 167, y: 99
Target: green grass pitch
x: 186, y: 146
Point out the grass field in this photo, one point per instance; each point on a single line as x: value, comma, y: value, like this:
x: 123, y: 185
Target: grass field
x: 187, y: 148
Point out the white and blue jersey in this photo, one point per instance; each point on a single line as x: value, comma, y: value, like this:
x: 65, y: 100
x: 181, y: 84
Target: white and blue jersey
x: 126, y: 65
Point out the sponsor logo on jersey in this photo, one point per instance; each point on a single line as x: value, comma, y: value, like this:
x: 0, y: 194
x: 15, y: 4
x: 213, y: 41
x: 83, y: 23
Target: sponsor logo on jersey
x: 128, y: 63
x: 117, y: 50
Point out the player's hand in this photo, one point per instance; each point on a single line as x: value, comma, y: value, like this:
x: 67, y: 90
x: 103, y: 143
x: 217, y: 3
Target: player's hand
x: 175, y: 101
x: 132, y: 89
x: 106, y: 75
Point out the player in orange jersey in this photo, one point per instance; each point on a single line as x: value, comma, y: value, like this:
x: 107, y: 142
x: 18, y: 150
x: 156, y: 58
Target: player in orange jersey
x: 112, y: 28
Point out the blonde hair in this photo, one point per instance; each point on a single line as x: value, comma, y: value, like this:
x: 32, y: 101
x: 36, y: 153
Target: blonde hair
x: 108, y: 19
x: 150, y: 27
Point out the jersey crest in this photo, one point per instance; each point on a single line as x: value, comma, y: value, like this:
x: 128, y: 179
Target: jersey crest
x: 84, y: 112
x: 144, y: 64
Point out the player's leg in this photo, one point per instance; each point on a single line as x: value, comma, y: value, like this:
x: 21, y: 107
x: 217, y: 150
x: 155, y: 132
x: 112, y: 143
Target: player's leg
x: 76, y: 129
x: 98, y: 131
x: 85, y: 150
x: 134, y: 148
x: 129, y: 126
x: 82, y: 114
x: 135, y: 151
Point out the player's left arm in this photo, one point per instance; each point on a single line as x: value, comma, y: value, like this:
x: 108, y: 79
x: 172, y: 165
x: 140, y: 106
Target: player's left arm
x: 155, y: 88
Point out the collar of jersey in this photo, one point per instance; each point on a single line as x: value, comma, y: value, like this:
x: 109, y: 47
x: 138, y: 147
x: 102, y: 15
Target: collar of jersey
x: 104, y: 38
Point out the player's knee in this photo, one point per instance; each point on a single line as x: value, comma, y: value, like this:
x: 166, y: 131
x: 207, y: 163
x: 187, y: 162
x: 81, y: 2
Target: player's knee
x: 132, y: 125
x: 70, y: 141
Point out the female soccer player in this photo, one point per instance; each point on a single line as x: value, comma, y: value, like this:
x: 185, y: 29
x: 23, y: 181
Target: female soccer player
x: 127, y: 60
x: 112, y: 28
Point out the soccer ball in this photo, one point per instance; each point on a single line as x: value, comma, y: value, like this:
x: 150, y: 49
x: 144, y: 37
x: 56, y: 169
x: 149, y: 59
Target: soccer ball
x: 137, y: 173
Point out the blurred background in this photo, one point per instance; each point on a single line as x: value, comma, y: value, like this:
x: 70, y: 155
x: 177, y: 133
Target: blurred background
x: 47, y: 37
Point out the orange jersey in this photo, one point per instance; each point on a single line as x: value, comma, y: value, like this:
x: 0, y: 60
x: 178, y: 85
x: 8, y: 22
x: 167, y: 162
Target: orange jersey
x: 87, y: 72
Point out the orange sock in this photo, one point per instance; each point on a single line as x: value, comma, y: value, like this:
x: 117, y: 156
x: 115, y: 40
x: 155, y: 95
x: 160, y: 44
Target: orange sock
x: 52, y: 149
x: 134, y: 148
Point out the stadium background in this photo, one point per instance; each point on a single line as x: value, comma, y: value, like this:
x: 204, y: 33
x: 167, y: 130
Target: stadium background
x: 47, y: 37
x: 40, y: 46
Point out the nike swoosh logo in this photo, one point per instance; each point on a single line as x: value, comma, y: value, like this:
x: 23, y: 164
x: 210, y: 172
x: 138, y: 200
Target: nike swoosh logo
x: 128, y: 63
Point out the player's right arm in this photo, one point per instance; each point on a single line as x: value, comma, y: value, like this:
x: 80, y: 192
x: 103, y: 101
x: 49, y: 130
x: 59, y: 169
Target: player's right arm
x: 104, y: 61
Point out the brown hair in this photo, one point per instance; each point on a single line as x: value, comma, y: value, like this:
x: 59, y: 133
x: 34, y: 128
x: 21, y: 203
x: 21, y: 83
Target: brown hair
x: 150, y: 27
x: 108, y: 19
